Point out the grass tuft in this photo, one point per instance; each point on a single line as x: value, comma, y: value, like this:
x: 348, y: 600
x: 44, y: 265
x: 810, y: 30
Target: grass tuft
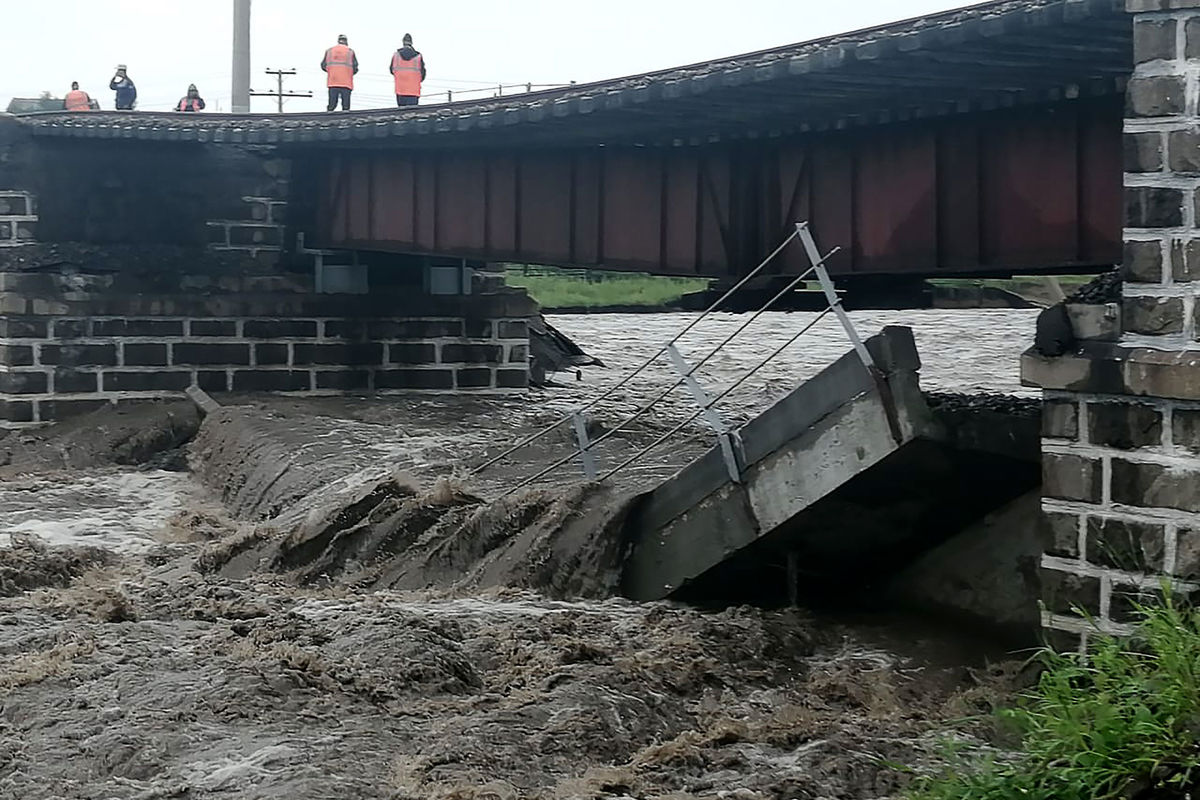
x: 1122, y: 722
x: 555, y: 288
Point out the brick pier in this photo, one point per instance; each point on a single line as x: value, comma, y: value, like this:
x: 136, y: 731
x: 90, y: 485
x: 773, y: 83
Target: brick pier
x: 1121, y: 447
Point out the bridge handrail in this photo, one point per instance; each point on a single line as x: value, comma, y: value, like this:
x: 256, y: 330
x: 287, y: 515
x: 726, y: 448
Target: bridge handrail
x: 644, y: 366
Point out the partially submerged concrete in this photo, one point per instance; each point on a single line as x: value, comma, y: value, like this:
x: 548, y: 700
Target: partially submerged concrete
x: 830, y: 429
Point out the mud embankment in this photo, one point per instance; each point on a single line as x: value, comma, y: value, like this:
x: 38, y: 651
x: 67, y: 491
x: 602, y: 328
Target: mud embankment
x: 324, y: 513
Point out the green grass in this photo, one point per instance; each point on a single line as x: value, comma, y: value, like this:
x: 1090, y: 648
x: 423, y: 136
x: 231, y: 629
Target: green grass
x: 1122, y: 723
x: 594, y: 289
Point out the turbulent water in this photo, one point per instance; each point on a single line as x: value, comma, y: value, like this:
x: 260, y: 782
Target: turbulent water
x: 134, y: 663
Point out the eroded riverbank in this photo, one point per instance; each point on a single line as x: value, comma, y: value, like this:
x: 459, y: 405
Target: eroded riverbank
x: 143, y: 659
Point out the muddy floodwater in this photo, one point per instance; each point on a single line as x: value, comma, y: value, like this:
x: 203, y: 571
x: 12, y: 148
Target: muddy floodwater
x: 237, y: 631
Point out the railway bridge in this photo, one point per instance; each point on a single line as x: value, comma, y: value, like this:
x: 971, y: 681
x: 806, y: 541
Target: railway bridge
x: 142, y: 253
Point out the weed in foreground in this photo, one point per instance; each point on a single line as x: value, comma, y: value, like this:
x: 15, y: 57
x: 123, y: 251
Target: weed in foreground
x: 1122, y: 722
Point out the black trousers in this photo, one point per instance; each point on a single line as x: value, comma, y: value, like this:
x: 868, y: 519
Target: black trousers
x: 406, y: 100
x: 336, y: 95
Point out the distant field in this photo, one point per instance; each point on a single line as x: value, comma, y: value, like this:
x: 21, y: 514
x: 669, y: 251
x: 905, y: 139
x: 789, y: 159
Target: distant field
x: 558, y: 288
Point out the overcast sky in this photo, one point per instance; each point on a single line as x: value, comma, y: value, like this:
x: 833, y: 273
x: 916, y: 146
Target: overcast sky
x: 469, y: 43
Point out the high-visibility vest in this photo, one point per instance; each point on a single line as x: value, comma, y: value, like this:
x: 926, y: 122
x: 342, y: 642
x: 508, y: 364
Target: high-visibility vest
x: 339, y: 65
x: 408, y: 75
x: 189, y: 104
x: 77, y: 100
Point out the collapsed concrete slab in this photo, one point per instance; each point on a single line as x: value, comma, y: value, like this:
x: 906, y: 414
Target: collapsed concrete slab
x: 830, y: 429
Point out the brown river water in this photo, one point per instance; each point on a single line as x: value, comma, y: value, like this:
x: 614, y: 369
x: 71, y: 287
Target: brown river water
x: 132, y: 670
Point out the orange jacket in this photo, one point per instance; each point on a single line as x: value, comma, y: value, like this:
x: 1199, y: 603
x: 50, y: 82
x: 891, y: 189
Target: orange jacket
x: 341, y: 64
x: 408, y: 74
x: 77, y: 100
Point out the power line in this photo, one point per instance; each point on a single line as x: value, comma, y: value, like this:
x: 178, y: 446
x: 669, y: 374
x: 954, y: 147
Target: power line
x: 279, y: 94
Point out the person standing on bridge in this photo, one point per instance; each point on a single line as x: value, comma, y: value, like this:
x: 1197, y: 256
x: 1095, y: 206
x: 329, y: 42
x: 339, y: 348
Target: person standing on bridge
x: 76, y: 99
x: 340, y: 65
x: 126, y: 91
x: 408, y: 68
x: 192, y: 101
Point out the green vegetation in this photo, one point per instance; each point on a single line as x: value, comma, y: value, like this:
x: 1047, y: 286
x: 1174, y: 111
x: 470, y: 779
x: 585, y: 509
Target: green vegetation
x: 561, y: 288
x: 1124, y: 722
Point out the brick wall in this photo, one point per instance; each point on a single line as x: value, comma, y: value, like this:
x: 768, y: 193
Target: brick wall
x: 18, y: 218
x: 71, y: 343
x: 1121, y: 446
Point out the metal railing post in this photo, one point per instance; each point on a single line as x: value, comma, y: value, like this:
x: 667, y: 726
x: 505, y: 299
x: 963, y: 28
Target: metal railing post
x: 730, y: 447
x: 835, y: 302
x: 586, y: 459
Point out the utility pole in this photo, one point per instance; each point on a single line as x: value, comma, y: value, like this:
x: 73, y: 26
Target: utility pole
x: 241, y: 57
x: 279, y: 94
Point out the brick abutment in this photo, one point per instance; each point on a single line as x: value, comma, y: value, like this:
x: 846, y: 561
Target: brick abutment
x: 1121, y: 438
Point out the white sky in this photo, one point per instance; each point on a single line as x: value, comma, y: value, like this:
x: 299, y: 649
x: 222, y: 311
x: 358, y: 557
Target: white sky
x: 469, y: 43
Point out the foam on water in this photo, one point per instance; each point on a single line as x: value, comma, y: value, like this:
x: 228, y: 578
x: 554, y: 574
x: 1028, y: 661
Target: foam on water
x: 119, y: 511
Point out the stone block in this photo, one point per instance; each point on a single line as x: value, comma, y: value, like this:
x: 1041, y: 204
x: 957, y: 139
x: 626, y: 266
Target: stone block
x: 6, y: 231
x: 412, y: 354
x: 415, y: 379
x: 16, y: 355
x: 203, y: 355
x: 255, y: 235
x: 1066, y: 593
x: 345, y: 329
x: 342, y: 355
x: 1156, y: 96
x: 415, y: 329
x: 1124, y: 425
x: 17, y: 328
x: 16, y: 411
x: 479, y: 328
x: 65, y: 409
x: 1185, y: 260
x: 1192, y: 31
x: 70, y: 329
x: 1186, y: 428
x: 1060, y: 419
x: 1143, y: 262
x: 73, y: 381
x: 14, y: 206
x: 280, y: 329
x: 1068, y: 477
x: 472, y: 354
x: 1150, y: 6
x: 26, y: 231
x: 1155, y: 486
x: 213, y: 380
x: 1060, y: 534
x: 1187, y: 554
x: 513, y: 329
x: 1153, y: 316
x: 149, y: 328
x: 1153, y: 207
x: 1062, y: 641
x: 1154, y: 40
x: 512, y: 379
x: 213, y: 328
x: 218, y: 234
x: 280, y: 380
x: 1095, y: 321
x: 158, y: 381
x: 1143, y: 152
x: 144, y: 355
x: 344, y: 380
x: 80, y: 355
x: 474, y: 378
x: 519, y: 354
x: 1183, y: 149
x: 24, y: 383
x: 1125, y: 545
x: 1125, y: 603
x: 271, y: 355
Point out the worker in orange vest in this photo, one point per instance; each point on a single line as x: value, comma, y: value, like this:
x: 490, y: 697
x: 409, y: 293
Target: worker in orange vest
x: 192, y: 101
x: 408, y: 68
x: 77, y: 100
x: 340, y: 65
